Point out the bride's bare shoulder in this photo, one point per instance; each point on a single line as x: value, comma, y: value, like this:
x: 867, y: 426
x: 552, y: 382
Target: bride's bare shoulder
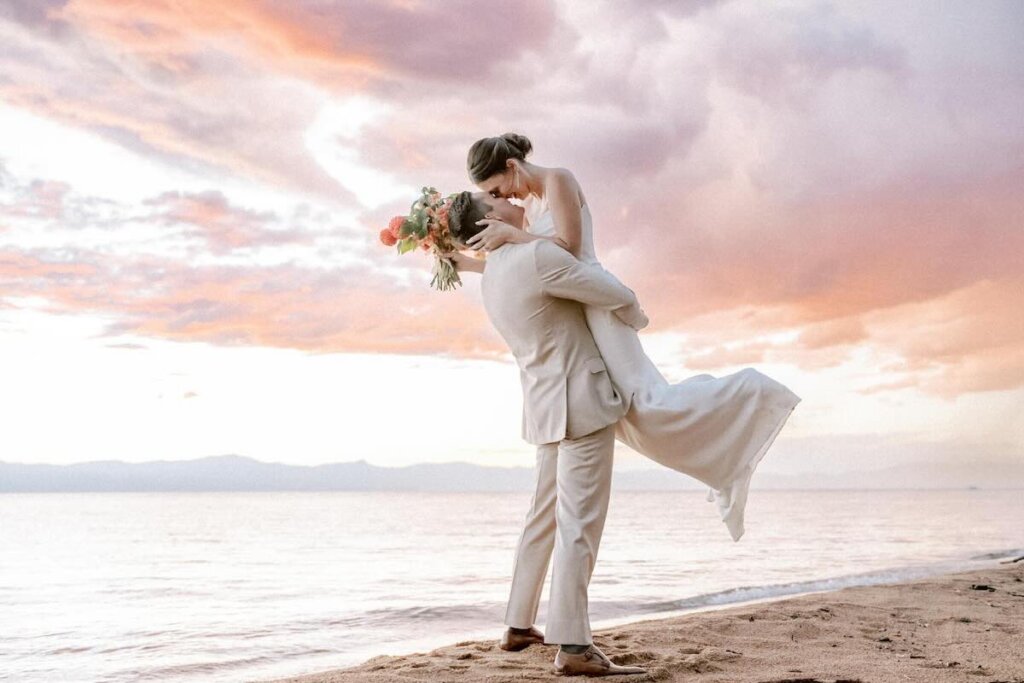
x: 562, y: 180
x: 562, y: 175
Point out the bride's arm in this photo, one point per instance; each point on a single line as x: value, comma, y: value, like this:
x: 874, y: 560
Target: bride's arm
x: 563, y: 201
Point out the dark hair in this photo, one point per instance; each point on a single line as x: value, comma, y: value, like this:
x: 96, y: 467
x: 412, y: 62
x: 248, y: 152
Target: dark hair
x: 463, y: 214
x: 488, y: 156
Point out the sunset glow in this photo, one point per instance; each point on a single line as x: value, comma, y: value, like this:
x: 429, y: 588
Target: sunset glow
x: 191, y: 193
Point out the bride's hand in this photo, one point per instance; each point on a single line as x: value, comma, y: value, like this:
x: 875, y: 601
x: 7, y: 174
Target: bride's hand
x: 493, y: 236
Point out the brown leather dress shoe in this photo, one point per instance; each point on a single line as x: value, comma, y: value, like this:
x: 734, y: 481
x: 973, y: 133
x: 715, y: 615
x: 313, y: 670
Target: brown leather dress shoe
x: 591, y: 662
x: 514, y: 642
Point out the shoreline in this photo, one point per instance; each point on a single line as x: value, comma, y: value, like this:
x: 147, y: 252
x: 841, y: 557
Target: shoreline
x: 931, y: 629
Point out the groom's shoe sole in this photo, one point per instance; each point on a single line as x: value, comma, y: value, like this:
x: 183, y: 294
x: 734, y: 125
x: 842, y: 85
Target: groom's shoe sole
x: 514, y: 642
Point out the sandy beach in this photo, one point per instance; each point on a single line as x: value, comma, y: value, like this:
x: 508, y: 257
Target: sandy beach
x: 966, y: 626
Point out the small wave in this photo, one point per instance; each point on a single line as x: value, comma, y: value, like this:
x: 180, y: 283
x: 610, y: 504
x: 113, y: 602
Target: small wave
x: 69, y: 650
x: 436, y: 612
x: 999, y: 554
x: 771, y: 591
x: 149, y: 592
x: 403, y: 616
x: 187, y: 670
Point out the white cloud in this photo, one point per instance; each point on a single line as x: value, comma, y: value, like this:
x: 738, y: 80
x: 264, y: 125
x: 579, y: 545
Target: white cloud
x: 331, y: 140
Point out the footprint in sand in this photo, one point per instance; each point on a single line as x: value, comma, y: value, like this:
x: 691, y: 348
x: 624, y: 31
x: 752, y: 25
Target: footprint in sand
x: 804, y: 631
x: 634, y: 658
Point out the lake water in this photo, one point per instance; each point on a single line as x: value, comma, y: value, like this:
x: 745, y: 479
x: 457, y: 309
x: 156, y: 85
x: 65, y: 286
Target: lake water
x: 251, y: 586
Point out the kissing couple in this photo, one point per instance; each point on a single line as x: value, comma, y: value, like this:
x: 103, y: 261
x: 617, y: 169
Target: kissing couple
x: 572, y: 327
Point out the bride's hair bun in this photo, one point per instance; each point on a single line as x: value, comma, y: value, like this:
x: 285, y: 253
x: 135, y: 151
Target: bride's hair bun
x: 488, y: 156
x: 518, y: 143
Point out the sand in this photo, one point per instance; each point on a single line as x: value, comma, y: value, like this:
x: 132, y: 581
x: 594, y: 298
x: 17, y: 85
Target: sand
x: 945, y: 628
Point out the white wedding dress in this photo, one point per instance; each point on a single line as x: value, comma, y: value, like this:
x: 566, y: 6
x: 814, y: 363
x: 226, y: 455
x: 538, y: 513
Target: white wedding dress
x: 715, y: 429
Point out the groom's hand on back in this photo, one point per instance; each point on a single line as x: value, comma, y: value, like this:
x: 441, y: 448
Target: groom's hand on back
x: 642, y: 321
x: 633, y: 316
x: 563, y: 275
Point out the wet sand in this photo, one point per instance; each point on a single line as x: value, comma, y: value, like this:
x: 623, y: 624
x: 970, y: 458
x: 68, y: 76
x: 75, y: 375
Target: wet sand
x: 967, y: 626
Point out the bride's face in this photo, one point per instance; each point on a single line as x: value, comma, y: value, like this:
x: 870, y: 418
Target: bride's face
x: 505, y: 184
x: 501, y: 208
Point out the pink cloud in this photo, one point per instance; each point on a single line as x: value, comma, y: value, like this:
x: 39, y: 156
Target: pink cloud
x: 440, y: 41
x: 348, y: 44
x: 969, y: 340
x: 279, y: 306
x: 223, y: 226
x: 824, y: 260
x: 178, y: 116
x: 792, y: 51
x: 751, y: 169
x: 233, y: 86
x: 39, y: 199
x: 833, y: 332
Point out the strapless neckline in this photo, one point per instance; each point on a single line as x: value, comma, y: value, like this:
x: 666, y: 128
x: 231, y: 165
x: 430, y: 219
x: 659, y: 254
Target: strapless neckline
x: 537, y: 207
x: 542, y: 223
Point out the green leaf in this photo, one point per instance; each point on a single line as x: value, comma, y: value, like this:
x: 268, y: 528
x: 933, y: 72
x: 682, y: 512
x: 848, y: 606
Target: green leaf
x: 406, y: 245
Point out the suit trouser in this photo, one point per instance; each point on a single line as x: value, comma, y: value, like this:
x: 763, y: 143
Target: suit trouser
x: 566, y: 515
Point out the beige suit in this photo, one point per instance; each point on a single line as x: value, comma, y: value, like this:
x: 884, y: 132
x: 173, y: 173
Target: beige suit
x: 533, y: 294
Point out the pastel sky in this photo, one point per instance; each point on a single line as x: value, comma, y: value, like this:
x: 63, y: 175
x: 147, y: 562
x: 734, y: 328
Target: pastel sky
x: 191, y: 192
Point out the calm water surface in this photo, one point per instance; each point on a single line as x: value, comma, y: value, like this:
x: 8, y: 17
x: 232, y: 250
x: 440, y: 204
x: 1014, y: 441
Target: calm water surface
x: 250, y: 586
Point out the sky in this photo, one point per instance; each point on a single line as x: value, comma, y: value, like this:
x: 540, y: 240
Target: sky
x: 191, y: 194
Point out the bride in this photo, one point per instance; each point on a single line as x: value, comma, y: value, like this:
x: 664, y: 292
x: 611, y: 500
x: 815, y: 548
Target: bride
x: 715, y: 429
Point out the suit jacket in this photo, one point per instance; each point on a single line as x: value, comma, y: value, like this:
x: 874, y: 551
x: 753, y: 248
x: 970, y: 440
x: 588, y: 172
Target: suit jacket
x: 533, y: 294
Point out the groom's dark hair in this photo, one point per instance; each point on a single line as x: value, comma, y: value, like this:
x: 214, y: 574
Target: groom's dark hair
x: 463, y: 214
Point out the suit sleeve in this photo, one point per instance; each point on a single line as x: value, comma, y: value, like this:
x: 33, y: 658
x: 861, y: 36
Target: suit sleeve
x: 563, y: 276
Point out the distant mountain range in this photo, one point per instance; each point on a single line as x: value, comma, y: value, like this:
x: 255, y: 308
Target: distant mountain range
x: 238, y: 473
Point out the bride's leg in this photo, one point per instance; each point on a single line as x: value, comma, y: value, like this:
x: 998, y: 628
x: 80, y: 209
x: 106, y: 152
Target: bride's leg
x: 536, y: 542
x: 630, y: 368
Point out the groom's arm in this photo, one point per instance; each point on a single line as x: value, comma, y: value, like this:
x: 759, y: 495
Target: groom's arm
x: 565, y: 277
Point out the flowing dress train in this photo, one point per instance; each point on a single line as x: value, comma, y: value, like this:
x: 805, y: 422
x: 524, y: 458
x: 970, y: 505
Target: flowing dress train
x: 714, y: 429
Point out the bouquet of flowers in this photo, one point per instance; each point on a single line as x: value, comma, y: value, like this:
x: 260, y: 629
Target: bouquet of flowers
x: 426, y: 227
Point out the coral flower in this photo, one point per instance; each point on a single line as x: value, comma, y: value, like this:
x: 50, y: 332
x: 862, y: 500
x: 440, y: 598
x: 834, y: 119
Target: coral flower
x: 395, y: 226
x: 387, y: 236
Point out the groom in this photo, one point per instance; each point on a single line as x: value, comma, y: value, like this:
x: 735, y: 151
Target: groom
x: 533, y: 293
